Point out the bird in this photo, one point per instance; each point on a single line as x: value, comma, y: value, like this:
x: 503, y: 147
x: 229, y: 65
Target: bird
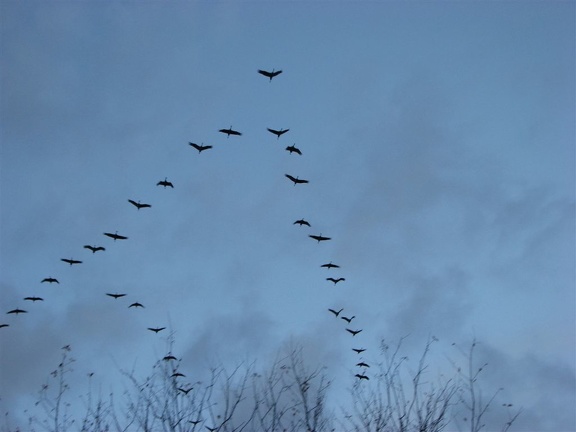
x: 34, y: 299
x: 16, y: 311
x: 194, y: 422
x: 359, y: 350
x: 50, y: 280
x: 70, y: 261
x: 361, y: 376
x: 116, y: 296
x: 4, y: 325
x: 362, y: 364
x: 156, y: 329
x: 319, y: 238
x: 348, y: 320
x: 177, y: 374
x: 185, y: 391
x: 230, y: 131
x: 138, y: 205
x: 136, y: 304
x: 296, y: 179
x: 301, y: 222
x: 330, y: 265
x: 269, y: 74
x: 94, y: 249
x: 116, y: 236
x: 165, y: 183
x: 277, y: 132
x: 211, y: 429
x: 169, y: 357
x: 200, y: 147
x: 294, y: 149
x: 354, y: 332
x: 331, y: 279
x: 336, y: 312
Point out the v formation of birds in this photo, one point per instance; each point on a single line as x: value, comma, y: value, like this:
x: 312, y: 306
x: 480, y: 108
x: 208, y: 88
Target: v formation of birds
x: 165, y: 183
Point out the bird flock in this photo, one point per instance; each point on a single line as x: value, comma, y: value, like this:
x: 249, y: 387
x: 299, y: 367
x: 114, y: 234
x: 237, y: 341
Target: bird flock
x: 361, y: 366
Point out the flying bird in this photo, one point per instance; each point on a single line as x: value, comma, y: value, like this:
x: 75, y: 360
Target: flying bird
x: 138, y: 205
x: 136, y: 304
x: 331, y: 279
x: 362, y: 364
x: 185, y: 391
x: 4, y: 325
x: 301, y: 222
x: 165, y: 183
x: 296, y: 179
x: 156, y: 329
x: 294, y: 149
x: 200, y: 147
x: 348, y: 320
x: 336, y: 313
x: 359, y: 350
x: 269, y: 74
x: 211, y: 429
x: 34, y: 299
x: 330, y: 265
x: 177, y: 374
x: 116, y: 236
x: 361, y: 376
x: 230, y: 131
x: 16, y: 311
x: 116, y: 296
x: 277, y: 132
x: 70, y: 261
x: 169, y: 357
x: 50, y: 280
x: 94, y: 249
x: 319, y: 238
x: 354, y: 332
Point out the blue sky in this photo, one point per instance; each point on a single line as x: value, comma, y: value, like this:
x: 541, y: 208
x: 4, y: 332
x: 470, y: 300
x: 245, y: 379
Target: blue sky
x: 438, y: 138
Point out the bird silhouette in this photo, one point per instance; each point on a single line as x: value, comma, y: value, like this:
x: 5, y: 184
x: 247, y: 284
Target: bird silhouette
x: 70, y: 261
x: 116, y: 236
x: 138, y: 205
x: 185, y: 391
x: 169, y: 357
x: 359, y: 350
x: 277, y: 132
x: 330, y: 265
x: 116, y: 296
x: 200, y: 147
x: 296, y: 180
x: 319, y: 238
x: 302, y: 222
x: 136, y: 304
x: 353, y: 332
x: 165, y: 183
x: 230, y: 131
x: 16, y: 311
x: 50, y: 280
x: 194, y: 422
x: 211, y: 429
x: 156, y: 329
x: 361, y: 376
x: 331, y: 279
x: 4, y: 325
x: 336, y: 313
x: 94, y: 249
x: 34, y: 299
x: 294, y: 149
x: 269, y: 74
x: 177, y: 374
x: 362, y: 364
x: 348, y: 320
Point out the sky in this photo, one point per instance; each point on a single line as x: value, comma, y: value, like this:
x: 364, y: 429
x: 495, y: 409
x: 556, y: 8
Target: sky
x: 437, y: 138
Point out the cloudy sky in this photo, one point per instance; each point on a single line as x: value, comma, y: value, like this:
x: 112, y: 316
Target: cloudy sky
x: 437, y: 138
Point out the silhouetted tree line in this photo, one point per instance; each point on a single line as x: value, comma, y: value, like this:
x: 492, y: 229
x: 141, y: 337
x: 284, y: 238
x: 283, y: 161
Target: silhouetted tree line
x: 288, y: 396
